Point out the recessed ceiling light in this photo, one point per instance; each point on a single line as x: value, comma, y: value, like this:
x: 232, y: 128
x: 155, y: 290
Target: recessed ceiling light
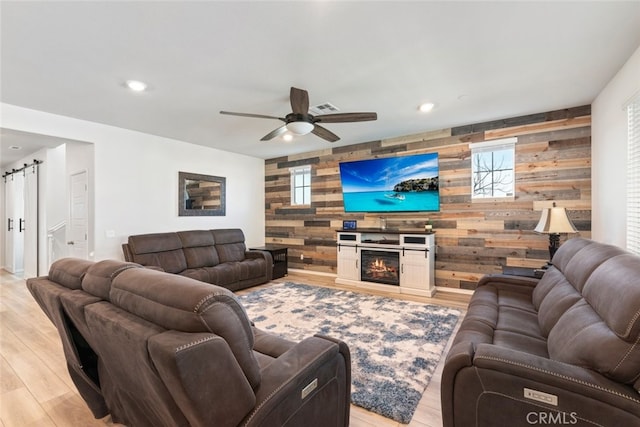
x: 426, y: 107
x: 15, y: 147
x: 136, y: 85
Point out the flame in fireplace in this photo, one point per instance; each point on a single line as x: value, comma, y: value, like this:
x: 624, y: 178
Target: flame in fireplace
x: 378, y: 265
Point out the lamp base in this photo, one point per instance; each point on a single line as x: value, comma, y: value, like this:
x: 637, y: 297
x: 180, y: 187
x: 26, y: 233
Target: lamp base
x: 554, y: 244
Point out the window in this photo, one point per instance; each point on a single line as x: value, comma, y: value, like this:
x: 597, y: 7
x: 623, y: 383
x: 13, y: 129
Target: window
x: 301, y: 185
x: 493, y: 169
x: 633, y: 177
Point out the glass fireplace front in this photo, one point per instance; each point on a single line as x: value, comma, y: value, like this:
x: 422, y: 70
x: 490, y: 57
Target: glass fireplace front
x: 380, y: 267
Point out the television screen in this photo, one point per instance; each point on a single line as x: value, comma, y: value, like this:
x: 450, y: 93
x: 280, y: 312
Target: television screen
x: 392, y: 184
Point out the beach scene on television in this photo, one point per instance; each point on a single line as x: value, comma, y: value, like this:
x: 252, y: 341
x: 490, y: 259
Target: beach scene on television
x: 392, y: 184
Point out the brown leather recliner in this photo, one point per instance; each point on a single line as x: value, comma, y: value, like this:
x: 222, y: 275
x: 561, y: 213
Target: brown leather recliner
x: 157, y: 349
x: 564, y: 350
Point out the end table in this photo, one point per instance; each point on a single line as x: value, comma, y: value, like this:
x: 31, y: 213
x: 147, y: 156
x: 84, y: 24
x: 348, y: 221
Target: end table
x: 279, y: 255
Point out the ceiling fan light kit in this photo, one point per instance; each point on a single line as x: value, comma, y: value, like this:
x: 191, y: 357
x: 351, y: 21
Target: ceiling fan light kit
x: 300, y: 122
x: 300, y: 128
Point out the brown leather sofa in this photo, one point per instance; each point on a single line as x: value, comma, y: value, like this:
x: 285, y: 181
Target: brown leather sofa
x: 213, y: 256
x: 562, y: 350
x: 157, y: 349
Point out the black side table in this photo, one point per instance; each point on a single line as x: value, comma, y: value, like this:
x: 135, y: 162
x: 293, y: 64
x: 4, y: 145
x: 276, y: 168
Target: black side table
x: 523, y: 271
x: 280, y: 262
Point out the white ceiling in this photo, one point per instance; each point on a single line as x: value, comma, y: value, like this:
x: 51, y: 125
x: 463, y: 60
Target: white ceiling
x: 477, y: 61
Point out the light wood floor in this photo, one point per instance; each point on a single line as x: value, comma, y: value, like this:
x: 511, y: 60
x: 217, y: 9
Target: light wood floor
x: 36, y: 390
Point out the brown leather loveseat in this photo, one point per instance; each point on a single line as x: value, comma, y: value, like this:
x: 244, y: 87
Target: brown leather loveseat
x: 213, y: 256
x: 564, y: 350
x: 157, y: 349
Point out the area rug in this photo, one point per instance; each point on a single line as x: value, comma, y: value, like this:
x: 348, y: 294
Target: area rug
x: 395, y: 345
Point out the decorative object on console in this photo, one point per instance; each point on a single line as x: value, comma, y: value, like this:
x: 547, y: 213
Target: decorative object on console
x: 391, y: 184
x: 349, y: 224
x: 395, y: 345
x: 554, y: 221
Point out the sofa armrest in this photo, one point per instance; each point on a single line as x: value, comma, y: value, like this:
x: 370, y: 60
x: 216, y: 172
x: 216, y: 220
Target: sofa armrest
x: 266, y: 255
x: 203, y: 377
x: 460, y: 356
x: 509, y: 282
x: 126, y: 250
x: 572, y: 378
x: 256, y: 254
x: 308, y: 385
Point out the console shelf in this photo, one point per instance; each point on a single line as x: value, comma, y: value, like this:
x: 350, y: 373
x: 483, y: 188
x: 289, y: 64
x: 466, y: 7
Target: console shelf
x: 388, y: 260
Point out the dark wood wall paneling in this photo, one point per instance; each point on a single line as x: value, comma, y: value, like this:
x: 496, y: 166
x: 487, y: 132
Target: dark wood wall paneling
x: 553, y: 164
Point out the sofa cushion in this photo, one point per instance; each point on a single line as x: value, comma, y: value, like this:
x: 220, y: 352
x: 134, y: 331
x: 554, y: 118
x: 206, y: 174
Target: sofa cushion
x: 158, y: 249
x: 556, y: 272
x: 230, y: 244
x: 567, y: 251
x: 69, y: 272
x: 502, y: 317
x: 97, y: 280
x: 183, y: 304
x: 198, y: 248
x: 601, y: 331
x: 561, y: 296
x: 252, y: 268
x: 561, y: 286
x: 586, y: 260
x: 198, y: 273
x: 622, y: 313
x: 224, y: 274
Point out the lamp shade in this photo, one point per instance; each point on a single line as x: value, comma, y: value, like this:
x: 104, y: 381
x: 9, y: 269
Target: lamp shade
x: 555, y: 221
x: 300, y: 128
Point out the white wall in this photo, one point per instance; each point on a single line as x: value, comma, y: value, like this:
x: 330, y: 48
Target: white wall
x: 609, y: 154
x: 135, y: 180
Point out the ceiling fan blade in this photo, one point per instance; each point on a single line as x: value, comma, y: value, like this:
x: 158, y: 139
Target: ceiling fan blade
x: 257, y: 116
x: 345, y: 117
x: 274, y: 133
x: 299, y: 101
x: 324, y: 133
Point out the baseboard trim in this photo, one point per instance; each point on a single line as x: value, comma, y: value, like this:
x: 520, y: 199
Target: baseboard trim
x: 442, y: 289
x: 317, y: 273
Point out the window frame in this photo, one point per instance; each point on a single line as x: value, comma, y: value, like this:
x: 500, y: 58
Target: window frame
x: 305, y: 172
x: 493, y: 146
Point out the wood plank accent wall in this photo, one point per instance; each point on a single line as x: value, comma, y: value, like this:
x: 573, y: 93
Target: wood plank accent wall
x: 553, y: 164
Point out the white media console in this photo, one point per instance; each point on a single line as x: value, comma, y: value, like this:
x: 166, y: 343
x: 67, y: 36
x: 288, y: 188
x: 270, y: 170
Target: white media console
x: 387, y: 260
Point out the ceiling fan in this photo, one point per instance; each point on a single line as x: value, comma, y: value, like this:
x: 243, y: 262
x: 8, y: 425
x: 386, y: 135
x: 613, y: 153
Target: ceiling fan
x: 300, y: 122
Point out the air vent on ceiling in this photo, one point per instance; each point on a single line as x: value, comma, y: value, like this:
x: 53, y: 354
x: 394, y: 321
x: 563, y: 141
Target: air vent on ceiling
x: 325, y: 108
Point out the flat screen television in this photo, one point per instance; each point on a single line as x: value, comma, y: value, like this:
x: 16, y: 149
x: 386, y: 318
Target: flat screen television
x: 391, y: 184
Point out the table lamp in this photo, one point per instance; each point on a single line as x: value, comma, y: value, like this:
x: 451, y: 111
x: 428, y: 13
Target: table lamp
x: 554, y: 221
